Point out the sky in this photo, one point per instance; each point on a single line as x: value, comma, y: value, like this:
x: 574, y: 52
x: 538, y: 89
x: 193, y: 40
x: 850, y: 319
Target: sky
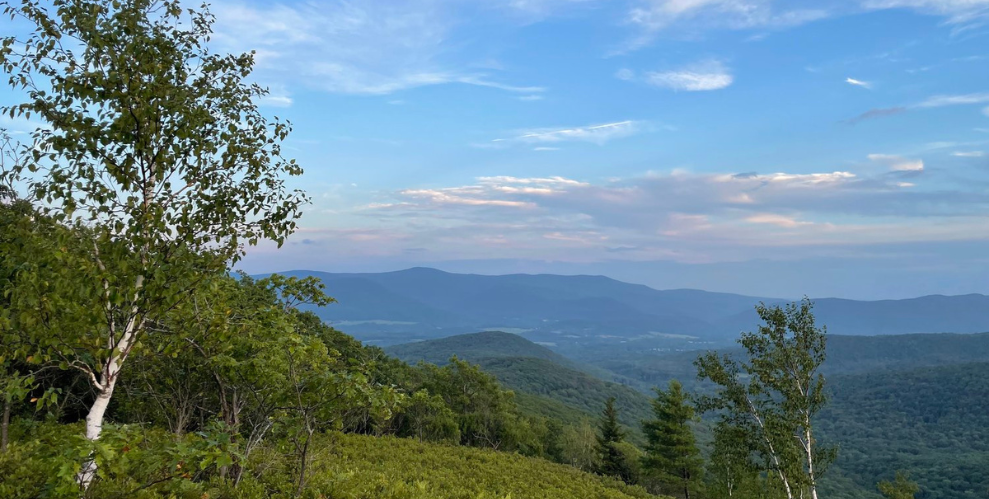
x: 833, y: 148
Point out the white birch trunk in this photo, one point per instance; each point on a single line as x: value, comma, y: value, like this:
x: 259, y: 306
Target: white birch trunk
x: 94, y: 426
x: 810, y: 461
x: 108, y: 379
x: 772, y: 450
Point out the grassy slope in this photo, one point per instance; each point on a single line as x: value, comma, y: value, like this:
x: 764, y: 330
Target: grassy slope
x: 363, y: 467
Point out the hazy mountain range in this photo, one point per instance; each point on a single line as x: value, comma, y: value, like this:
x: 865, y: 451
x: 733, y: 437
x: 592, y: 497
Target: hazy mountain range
x: 422, y: 303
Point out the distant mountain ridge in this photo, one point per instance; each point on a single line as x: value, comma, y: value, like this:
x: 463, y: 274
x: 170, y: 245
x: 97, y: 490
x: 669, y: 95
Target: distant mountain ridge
x: 422, y: 303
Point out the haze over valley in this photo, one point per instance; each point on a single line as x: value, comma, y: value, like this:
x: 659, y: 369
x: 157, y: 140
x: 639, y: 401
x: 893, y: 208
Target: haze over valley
x: 557, y: 310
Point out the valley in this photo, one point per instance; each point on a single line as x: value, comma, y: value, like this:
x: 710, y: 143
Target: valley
x: 578, y: 313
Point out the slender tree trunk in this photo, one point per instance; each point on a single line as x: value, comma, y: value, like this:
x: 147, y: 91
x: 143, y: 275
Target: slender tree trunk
x: 94, y: 420
x: 302, y: 467
x: 94, y: 426
x: 772, y: 450
x: 5, y: 424
x: 108, y: 378
x: 810, y: 461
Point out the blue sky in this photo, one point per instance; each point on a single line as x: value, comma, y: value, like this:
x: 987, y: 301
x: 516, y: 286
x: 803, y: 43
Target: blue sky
x: 756, y: 146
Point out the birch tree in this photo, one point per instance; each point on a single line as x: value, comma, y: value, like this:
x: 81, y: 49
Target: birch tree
x: 773, y: 395
x: 155, y: 147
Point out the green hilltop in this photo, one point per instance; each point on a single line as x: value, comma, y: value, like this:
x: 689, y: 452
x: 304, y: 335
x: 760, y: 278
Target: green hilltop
x: 542, y: 378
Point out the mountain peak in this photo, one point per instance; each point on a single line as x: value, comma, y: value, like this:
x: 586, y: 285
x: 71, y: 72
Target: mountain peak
x: 419, y: 271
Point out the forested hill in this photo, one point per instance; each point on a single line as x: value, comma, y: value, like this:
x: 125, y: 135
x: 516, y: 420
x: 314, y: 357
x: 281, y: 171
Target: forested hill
x: 846, y: 355
x: 528, y: 368
x: 850, y: 354
x: 487, y: 344
x: 422, y: 303
x: 930, y: 422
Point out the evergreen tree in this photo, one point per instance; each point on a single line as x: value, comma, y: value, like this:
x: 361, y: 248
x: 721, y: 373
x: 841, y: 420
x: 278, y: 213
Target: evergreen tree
x: 612, y: 460
x: 671, y: 452
x: 553, y: 442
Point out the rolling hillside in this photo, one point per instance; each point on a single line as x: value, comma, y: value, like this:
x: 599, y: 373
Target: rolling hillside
x: 531, y: 369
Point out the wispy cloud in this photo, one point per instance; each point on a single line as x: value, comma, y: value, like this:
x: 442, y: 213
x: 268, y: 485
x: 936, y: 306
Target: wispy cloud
x: 954, y: 100
x: 683, y: 215
x: 875, y: 113
x: 935, y: 101
x: 460, y: 196
x: 692, y: 17
x: 962, y: 14
x: 858, y: 83
x: 701, y: 76
x: 277, y: 97
x: 968, y: 154
x: 368, y: 48
x: 653, y: 16
x: 898, y: 163
x: 596, y: 134
x: 482, y: 82
x: 499, y: 192
x: 777, y: 220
